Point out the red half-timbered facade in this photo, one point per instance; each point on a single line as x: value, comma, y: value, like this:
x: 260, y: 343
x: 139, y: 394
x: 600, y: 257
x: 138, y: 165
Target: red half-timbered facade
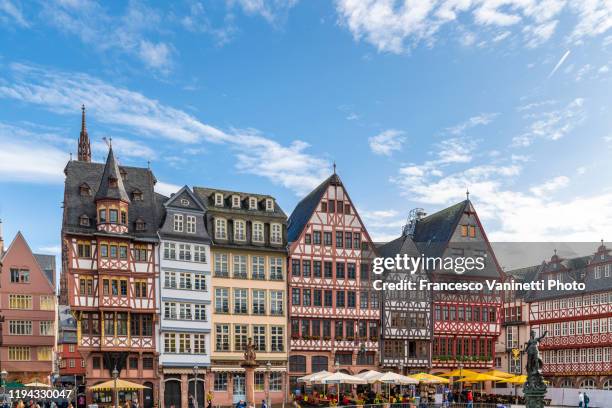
x: 577, y: 349
x: 334, y: 316
x: 466, y: 324
x: 110, y: 267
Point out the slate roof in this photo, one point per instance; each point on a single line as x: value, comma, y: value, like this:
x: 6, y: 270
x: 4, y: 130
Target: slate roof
x: 150, y: 209
x: 433, y: 232
x: 111, y: 171
x: 206, y: 197
x: 172, y: 206
x: 67, y: 326
x: 401, y: 245
x: 47, y: 265
x: 304, y: 209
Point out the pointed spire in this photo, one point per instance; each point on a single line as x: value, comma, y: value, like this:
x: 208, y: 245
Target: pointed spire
x: 467, y: 194
x: 334, y: 167
x: 84, y: 145
x: 111, y: 185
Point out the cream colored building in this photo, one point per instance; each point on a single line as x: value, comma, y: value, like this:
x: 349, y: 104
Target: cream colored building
x: 249, y: 298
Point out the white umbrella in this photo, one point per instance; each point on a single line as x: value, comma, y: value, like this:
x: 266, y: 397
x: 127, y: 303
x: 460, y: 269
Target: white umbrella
x: 314, y: 378
x: 341, y: 378
x: 371, y: 376
x: 394, y: 378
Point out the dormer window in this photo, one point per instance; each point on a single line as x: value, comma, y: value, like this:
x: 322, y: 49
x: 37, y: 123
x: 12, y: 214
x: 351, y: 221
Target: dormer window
x: 84, y: 190
x: 112, y: 182
x: 235, y: 201
x: 123, y: 174
x: 137, y: 195
x: 218, y: 199
x: 141, y: 225
x: 269, y: 204
x: 239, y: 230
x: 252, y: 203
x: 84, y: 220
x: 178, y: 222
x: 184, y: 202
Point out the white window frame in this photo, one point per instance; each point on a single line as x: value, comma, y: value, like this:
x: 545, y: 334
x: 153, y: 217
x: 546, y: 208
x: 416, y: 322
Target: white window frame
x: 191, y: 224
x: 252, y: 203
x: 178, y: 222
x: 239, y: 230
x: 258, y: 231
x: 235, y: 201
x: 276, y: 233
x: 220, y: 228
x: 269, y: 204
x: 218, y: 200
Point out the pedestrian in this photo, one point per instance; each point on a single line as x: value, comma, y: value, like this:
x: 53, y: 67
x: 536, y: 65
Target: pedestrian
x: 190, y: 402
x: 586, y: 400
x: 209, y: 398
x: 470, y: 399
x: 241, y: 404
x: 580, y: 399
x: 264, y: 404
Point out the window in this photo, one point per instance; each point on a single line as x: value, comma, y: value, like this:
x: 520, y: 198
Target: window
x: 351, y: 299
x: 184, y: 252
x: 218, y: 199
x: 191, y: 224
x: 258, y: 267
x: 235, y: 201
x: 240, y: 337
x: 169, y: 250
x: 240, y: 301
x: 356, y: 240
x: 113, y: 216
x: 199, y: 344
x: 221, y: 300
x: 316, y: 237
x: 259, y: 301
x: 137, y: 195
x: 295, y: 296
x: 317, y: 298
x: 276, y: 268
x: 276, y: 236
x: 222, y: 337
x: 170, y: 279
x: 597, y: 270
x: 220, y: 381
x: 199, y: 282
x: 306, y: 297
x: 347, y: 208
x: 23, y: 302
x: 44, y: 353
x: 324, y: 206
x: 102, y: 216
x: 84, y: 220
x: 123, y: 251
x: 348, y: 240
x: 221, y: 265
x: 199, y: 253
x: 199, y: 312
x: 297, y: 364
x: 240, y: 266
x: 252, y: 203
x: 20, y: 275
x: 140, y: 253
x: 259, y: 380
x: 259, y: 337
x: 277, y: 338
x: 331, y: 206
x: 472, y: 229
x: 308, y: 239
x: 220, y: 228
x: 276, y: 302
x: 47, y: 328
x: 239, y: 230
x: 340, y: 298
x: 306, y: 268
x: 327, y: 298
x: 169, y: 310
x: 20, y: 327
x: 258, y: 231
x: 19, y: 353
x: 169, y: 343
x: 184, y: 343
x: 295, y: 267
x: 464, y: 230
x: 269, y: 204
x: 350, y: 271
x: 276, y: 381
x: 327, y: 238
x: 316, y: 269
x: 339, y: 239
x: 84, y: 249
x: 328, y: 270
x: 339, y: 270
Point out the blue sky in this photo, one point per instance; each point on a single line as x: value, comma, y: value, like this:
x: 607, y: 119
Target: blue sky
x: 414, y: 100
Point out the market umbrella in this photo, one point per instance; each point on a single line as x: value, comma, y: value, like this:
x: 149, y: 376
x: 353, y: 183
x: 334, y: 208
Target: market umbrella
x: 121, y: 385
x: 480, y: 377
x: 459, y: 372
x: 37, y: 384
x: 500, y: 374
x: 342, y: 378
x: 429, y: 378
x: 394, y: 378
x: 314, y: 377
x: 371, y: 376
x: 519, y: 379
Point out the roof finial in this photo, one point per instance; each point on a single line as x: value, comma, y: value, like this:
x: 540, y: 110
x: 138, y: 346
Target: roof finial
x: 110, y: 142
x: 84, y: 153
x: 83, y: 125
x: 467, y: 194
x: 334, y: 167
x: 149, y: 164
x: 555, y: 251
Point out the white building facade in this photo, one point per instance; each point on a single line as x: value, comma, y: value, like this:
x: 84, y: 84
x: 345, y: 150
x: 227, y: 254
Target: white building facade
x: 184, y: 299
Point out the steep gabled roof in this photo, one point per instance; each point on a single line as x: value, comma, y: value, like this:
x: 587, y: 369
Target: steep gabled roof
x: 304, y: 209
x: 195, y: 203
x: 47, y: 264
x: 401, y: 245
x: 434, y: 231
x: 111, y: 172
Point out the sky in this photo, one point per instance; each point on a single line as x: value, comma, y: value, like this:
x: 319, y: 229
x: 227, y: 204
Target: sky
x: 415, y: 101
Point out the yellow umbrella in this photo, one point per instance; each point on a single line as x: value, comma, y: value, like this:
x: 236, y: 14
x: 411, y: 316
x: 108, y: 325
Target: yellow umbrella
x: 500, y: 374
x: 429, y: 378
x: 519, y: 379
x: 479, y: 378
x: 37, y: 384
x: 121, y: 385
x: 460, y: 372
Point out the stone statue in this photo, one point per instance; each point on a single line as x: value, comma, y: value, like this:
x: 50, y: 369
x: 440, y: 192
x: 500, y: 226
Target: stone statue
x: 249, y: 353
x: 534, y: 388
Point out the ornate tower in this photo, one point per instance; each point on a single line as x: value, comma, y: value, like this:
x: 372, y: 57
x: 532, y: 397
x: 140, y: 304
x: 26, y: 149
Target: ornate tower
x: 112, y: 200
x: 84, y: 147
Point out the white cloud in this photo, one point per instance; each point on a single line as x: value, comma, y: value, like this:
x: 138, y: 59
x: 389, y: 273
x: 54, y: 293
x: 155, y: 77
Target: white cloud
x: 385, y: 143
x: 550, y: 186
x: 270, y: 10
x: 155, y: 55
x: 125, y: 148
x: 11, y: 13
x: 478, y: 120
x: 603, y: 70
x: 559, y: 63
x: 397, y: 26
x: 62, y: 92
x: 166, y: 189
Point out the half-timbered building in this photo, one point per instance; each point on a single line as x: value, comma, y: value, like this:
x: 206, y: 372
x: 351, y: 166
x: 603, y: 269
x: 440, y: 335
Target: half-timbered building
x: 406, y: 332
x: 184, y: 299
x: 577, y: 349
x: 110, y: 266
x: 466, y: 324
x: 334, y: 314
x: 249, y: 257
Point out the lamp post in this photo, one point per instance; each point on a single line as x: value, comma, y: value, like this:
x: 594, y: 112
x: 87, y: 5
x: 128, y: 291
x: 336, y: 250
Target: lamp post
x: 268, y: 369
x: 3, y: 375
x: 115, y: 374
x: 58, y: 363
x: 195, y: 386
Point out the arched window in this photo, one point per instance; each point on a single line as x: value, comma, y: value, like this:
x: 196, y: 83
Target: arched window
x: 297, y: 364
x: 588, y: 384
x: 566, y: 383
x: 319, y: 363
x: 607, y: 385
